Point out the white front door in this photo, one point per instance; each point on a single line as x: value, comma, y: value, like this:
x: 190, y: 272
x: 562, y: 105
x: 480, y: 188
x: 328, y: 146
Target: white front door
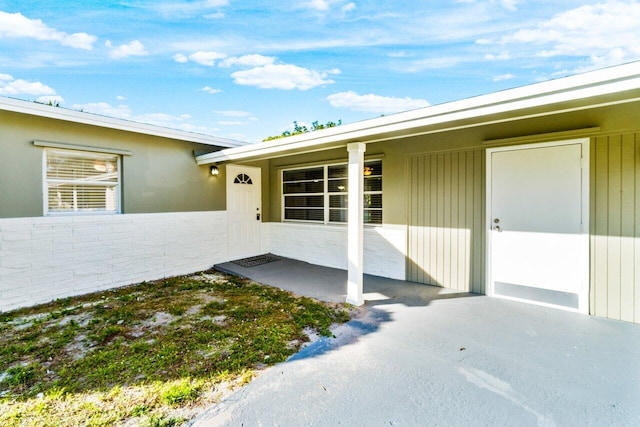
x: 243, y: 211
x: 538, y: 247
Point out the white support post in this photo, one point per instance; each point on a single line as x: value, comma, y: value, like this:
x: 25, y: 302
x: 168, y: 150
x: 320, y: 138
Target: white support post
x: 355, y: 246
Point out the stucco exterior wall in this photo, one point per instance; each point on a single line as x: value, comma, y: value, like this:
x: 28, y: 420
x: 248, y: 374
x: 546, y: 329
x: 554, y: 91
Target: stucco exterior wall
x: 160, y: 176
x: 45, y: 258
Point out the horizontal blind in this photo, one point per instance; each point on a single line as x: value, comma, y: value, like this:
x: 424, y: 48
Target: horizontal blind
x: 80, y: 181
x: 319, y: 193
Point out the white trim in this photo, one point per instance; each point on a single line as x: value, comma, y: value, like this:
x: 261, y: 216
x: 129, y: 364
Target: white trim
x: 59, y: 113
x: 45, y: 183
x: 447, y: 117
x: 544, y: 137
x: 583, y: 305
x: 326, y: 193
x: 355, y: 219
x: 87, y: 148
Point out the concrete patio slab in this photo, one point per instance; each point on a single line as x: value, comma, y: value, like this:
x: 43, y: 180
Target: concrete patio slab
x: 330, y: 284
x: 420, y: 356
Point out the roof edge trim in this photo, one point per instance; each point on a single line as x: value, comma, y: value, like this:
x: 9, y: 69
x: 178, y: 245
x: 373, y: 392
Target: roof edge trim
x: 581, y: 86
x: 81, y: 117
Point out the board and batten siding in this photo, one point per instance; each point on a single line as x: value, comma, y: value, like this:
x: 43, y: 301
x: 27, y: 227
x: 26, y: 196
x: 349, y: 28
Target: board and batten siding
x: 615, y: 227
x: 446, y: 219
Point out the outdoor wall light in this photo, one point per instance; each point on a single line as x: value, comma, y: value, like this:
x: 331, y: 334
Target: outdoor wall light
x: 214, y: 170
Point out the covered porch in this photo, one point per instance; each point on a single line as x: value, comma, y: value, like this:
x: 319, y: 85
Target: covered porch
x: 331, y: 284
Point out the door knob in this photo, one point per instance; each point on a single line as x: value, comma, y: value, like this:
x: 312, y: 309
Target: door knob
x: 497, y: 228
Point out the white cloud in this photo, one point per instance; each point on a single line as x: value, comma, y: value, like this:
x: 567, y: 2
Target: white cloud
x: 50, y: 99
x: 349, y: 7
x: 434, y: 63
x: 183, y: 121
x: 230, y: 123
x: 233, y: 113
x: 121, y: 98
x: 16, y: 25
x: 79, y: 41
x: 281, y: 76
x: 605, y: 32
x: 511, y: 5
x: 507, y: 4
x: 185, y: 8
x: 319, y: 5
x: 179, y: 57
x: 10, y: 86
x: 133, y: 48
x: 502, y: 77
x: 324, y: 6
x: 242, y: 118
x: 105, y: 109
x: 210, y: 90
x: 248, y: 60
x: 374, y: 103
x: 217, y: 15
x: 499, y: 57
x: 206, y: 58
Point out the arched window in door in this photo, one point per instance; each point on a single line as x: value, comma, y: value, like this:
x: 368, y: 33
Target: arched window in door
x: 242, y: 179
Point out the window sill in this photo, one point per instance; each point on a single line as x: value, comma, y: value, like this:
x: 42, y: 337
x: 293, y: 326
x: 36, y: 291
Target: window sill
x: 60, y: 214
x: 331, y: 224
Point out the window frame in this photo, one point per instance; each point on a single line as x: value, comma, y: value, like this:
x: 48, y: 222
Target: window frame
x: 93, y: 154
x: 326, y: 194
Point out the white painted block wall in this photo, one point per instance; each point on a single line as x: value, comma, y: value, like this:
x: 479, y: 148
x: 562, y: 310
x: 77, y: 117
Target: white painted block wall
x: 45, y: 258
x: 384, y: 247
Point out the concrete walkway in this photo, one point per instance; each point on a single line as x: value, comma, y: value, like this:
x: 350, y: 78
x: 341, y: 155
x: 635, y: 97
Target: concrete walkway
x: 418, y: 355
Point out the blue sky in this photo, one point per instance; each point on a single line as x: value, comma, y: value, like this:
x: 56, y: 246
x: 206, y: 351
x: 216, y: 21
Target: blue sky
x: 247, y: 69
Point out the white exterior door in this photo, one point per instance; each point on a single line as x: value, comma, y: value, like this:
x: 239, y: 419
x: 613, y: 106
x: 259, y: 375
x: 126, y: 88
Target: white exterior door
x: 243, y: 211
x: 538, y: 223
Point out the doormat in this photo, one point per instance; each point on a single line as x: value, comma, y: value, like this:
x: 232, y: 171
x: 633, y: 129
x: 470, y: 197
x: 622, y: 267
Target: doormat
x: 256, y: 260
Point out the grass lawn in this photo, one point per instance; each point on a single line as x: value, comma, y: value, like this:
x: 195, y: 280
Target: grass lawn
x: 152, y: 354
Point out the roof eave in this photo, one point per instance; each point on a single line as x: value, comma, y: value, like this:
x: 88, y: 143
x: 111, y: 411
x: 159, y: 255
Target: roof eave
x: 518, y: 103
x: 58, y: 113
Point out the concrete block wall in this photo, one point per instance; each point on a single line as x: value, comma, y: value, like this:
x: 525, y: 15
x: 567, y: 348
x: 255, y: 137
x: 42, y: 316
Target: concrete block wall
x: 384, y: 247
x: 45, y: 258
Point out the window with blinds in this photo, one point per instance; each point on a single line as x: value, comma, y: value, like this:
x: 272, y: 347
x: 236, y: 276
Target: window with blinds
x: 320, y: 193
x: 81, y: 182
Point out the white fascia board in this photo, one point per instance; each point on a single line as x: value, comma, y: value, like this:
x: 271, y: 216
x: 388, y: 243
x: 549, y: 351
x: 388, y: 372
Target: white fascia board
x: 59, y: 113
x: 583, y: 86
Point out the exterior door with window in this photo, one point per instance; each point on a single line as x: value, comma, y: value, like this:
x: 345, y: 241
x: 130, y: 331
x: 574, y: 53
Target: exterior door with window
x: 538, y: 222
x: 244, y: 213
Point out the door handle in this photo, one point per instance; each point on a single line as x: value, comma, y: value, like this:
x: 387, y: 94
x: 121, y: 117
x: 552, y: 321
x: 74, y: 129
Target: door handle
x: 258, y: 216
x: 497, y: 228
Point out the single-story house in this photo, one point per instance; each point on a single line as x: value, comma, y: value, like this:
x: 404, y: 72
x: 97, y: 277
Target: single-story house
x: 530, y: 193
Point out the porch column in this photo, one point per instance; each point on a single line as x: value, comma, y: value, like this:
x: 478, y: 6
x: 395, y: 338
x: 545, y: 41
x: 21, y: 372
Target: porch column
x: 355, y: 245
